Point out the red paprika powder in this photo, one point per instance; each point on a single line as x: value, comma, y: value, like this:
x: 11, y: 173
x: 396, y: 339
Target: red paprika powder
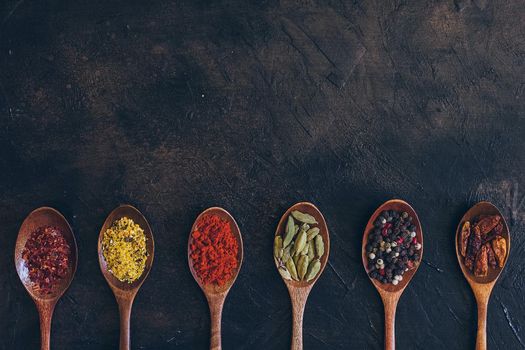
x: 213, y: 250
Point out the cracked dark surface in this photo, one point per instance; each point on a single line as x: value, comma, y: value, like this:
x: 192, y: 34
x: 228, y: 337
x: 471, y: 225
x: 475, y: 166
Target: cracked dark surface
x: 174, y: 106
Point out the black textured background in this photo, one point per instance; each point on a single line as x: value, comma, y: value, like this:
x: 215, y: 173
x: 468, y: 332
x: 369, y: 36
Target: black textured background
x: 174, y: 106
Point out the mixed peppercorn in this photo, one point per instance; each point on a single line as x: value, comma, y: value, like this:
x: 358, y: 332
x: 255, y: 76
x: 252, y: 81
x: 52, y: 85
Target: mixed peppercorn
x: 392, y: 248
x: 46, y: 254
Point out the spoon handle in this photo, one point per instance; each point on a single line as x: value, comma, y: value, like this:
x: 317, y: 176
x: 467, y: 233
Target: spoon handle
x: 390, y: 304
x: 45, y: 312
x: 216, y: 305
x: 298, y: 297
x: 124, y: 306
x: 481, y: 338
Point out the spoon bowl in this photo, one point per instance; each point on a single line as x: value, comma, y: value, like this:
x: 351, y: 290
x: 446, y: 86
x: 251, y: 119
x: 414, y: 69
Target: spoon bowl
x: 125, y: 292
x: 399, y: 206
x: 299, y: 290
x: 215, y: 294
x: 482, y: 208
x: 45, y: 302
x: 309, y: 208
x: 134, y: 214
x: 390, y: 293
x: 482, y: 286
x: 224, y: 215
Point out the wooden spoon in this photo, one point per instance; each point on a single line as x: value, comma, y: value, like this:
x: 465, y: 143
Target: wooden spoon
x: 216, y: 295
x: 299, y: 290
x: 45, y: 303
x: 390, y: 293
x: 482, y: 286
x: 125, y: 292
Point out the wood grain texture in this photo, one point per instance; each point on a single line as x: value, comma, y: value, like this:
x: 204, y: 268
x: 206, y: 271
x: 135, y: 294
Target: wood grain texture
x: 390, y: 293
x: 176, y: 106
x: 299, y: 290
x: 125, y: 304
x: 481, y: 337
x: 482, y: 286
x: 390, y: 301
x: 45, y: 313
x: 298, y: 297
x: 215, y: 294
x: 216, y: 304
x: 45, y: 302
x: 125, y: 292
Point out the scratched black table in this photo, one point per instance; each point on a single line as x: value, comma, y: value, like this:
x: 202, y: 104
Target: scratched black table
x: 175, y: 106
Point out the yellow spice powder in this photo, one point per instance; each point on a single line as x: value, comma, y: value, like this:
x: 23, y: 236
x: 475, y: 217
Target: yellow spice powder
x: 124, y: 249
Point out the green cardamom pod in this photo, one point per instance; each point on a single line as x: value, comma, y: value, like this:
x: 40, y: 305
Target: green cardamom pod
x: 319, y: 245
x: 286, y: 254
x: 311, y: 249
x: 300, y: 242
x: 284, y: 273
x: 290, y: 231
x: 290, y: 266
x: 296, y: 230
x: 305, y: 249
x: 292, y: 248
x: 303, y: 217
x: 313, y: 270
x: 278, y: 247
x: 296, y: 259
x: 311, y: 233
x: 302, y: 266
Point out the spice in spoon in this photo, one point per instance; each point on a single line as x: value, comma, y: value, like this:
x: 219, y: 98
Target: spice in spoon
x: 392, y: 247
x: 124, y: 250
x: 482, y: 245
x: 214, y: 250
x: 298, y: 250
x: 47, y: 256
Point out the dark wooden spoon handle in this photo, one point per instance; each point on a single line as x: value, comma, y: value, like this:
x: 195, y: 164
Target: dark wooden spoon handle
x: 481, y: 338
x: 298, y: 297
x: 45, y: 311
x: 482, y: 295
x: 216, y: 304
x: 124, y: 307
x: 390, y: 304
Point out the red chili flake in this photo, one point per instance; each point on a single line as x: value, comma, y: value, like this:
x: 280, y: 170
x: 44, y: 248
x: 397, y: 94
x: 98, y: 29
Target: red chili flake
x: 400, y: 240
x: 382, y: 272
x: 414, y: 240
x: 46, y: 254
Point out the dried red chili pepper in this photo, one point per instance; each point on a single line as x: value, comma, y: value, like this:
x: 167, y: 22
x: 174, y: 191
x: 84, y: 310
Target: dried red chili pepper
x: 481, y: 267
x: 483, y: 250
x: 469, y: 263
x: 465, y: 234
x: 474, y: 243
x: 213, y: 250
x: 46, y: 254
x: 499, y: 244
x: 491, y: 256
x: 487, y: 223
x: 497, y: 231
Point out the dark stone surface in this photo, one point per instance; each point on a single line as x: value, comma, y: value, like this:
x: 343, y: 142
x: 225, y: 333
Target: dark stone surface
x: 174, y: 106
